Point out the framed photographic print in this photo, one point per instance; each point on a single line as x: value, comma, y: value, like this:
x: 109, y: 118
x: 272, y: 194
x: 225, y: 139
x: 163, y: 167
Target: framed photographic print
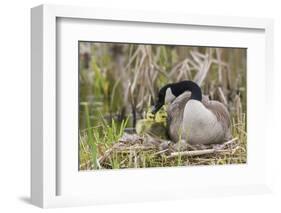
x: 130, y: 106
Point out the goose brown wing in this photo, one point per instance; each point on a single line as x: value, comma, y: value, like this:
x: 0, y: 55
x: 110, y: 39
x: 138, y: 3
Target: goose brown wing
x: 220, y: 112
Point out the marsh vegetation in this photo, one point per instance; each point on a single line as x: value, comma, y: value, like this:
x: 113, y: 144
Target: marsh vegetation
x: 118, y: 83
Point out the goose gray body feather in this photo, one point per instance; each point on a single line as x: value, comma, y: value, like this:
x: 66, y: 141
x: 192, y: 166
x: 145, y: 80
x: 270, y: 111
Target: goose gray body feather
x: 198, y: 122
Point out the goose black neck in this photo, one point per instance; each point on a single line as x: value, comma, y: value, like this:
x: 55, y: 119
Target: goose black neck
x: 191, y: 86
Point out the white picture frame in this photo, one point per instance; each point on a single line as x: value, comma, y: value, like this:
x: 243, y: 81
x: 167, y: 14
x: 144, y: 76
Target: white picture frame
x: 45, y: 166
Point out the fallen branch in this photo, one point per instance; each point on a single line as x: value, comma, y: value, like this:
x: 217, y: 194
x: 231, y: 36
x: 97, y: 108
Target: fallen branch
x: 204, y: 151
x: 196, y: 153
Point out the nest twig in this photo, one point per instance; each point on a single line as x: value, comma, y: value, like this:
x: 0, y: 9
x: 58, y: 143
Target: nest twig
x: 132, y: 145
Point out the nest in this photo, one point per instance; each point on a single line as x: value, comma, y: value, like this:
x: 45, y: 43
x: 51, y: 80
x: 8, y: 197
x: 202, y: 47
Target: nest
x: 135, y: 151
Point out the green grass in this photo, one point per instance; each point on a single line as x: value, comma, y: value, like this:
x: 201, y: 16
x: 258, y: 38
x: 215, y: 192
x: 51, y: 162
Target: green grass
x: 95, y: 141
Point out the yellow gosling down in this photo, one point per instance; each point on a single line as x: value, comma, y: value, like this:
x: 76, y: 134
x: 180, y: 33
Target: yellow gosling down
x: 153, y: 124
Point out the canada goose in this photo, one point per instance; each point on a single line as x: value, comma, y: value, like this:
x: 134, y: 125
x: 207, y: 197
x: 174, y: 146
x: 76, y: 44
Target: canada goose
x: 191, y: 117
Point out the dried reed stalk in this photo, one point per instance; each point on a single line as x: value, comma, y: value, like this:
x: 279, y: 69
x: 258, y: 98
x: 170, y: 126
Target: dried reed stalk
x: 222, y: 96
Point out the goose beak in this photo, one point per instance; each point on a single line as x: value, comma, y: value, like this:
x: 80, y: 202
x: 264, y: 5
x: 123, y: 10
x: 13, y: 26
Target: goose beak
x: 156, y: 107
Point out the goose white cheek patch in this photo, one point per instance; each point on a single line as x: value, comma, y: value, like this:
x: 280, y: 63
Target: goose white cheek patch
x: 169, y: 97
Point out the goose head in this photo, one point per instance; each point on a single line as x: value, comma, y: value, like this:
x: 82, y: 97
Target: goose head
x: 170, y: 92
